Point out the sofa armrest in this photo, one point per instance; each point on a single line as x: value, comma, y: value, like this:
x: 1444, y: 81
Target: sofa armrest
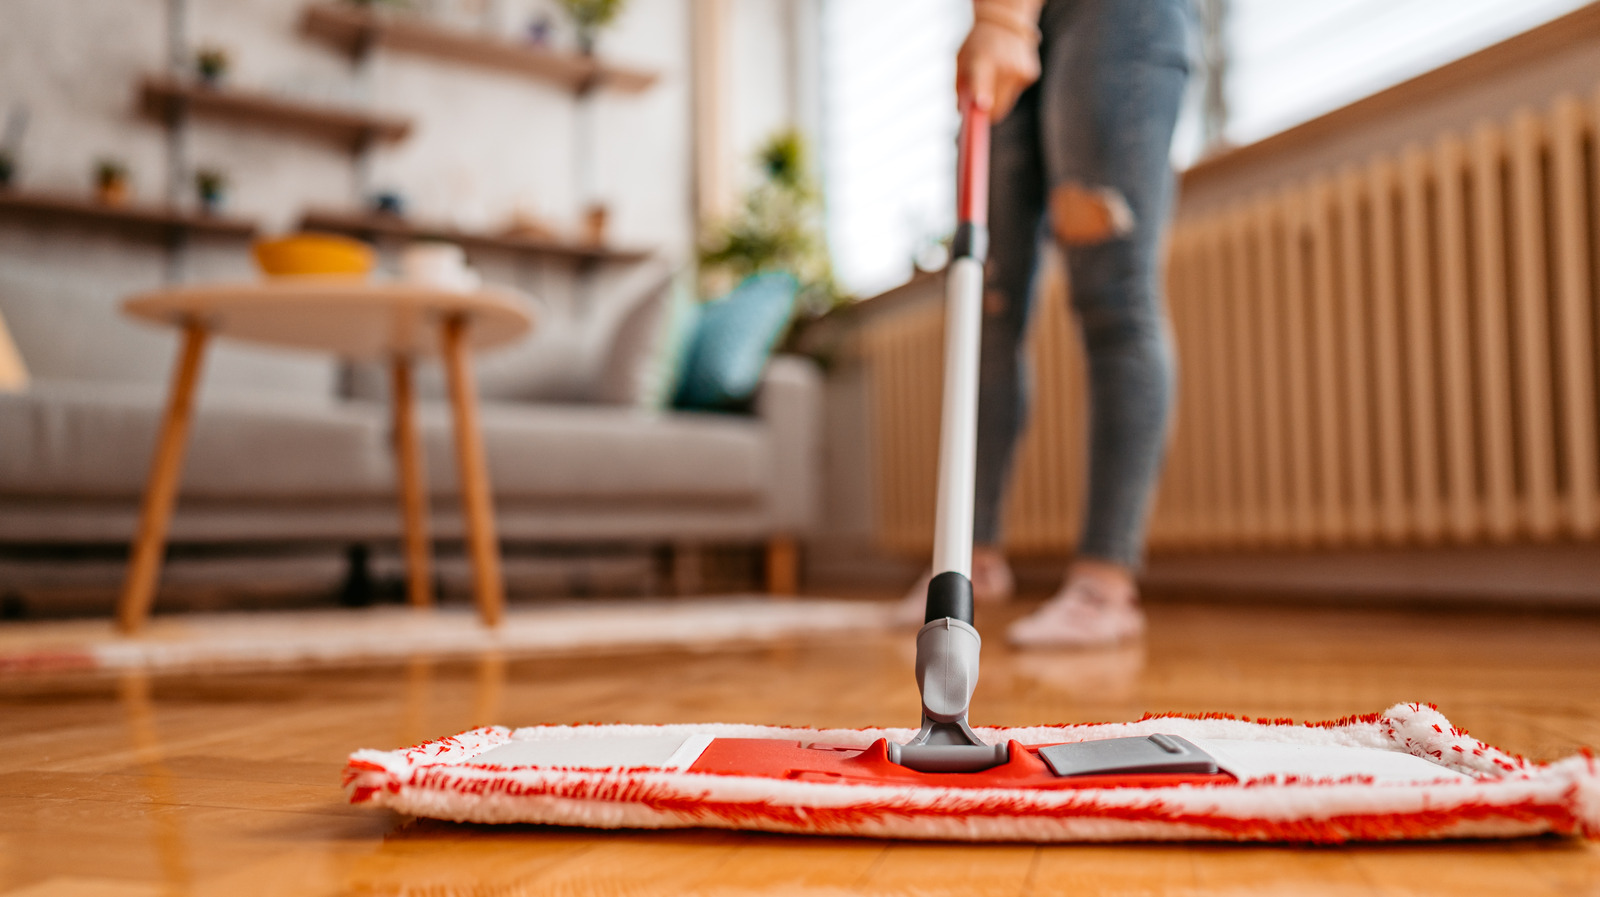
x: 790, y: 405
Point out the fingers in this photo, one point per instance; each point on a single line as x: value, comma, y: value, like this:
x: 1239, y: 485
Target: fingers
x: 1005, y: 97
x: 994, y: 66
x: 975, y: 84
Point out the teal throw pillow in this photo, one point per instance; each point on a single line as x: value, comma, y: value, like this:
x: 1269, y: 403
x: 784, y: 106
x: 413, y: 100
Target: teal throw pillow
x: 733, y: 340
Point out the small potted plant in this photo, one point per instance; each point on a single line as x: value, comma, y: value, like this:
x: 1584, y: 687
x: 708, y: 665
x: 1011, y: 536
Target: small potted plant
x: 595, y: 219
x: 211, y: 186
x: 387, y: 202
x: 211, y: 64
x: 10, y: 143
x: 111, y: 181
x: 778, y: 228
x: 590, y: 16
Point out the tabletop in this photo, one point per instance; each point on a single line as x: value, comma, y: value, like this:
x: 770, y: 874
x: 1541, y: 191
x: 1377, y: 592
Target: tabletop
x: 356, y: 319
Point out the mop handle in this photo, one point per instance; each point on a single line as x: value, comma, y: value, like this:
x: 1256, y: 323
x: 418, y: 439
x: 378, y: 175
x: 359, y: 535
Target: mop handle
x: 958, y: 431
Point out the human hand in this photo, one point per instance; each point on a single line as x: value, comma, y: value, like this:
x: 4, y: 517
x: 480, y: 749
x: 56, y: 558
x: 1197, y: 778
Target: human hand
x: 1000, y: 56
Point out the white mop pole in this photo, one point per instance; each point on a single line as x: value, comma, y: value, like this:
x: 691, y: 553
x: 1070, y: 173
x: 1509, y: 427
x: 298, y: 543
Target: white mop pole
x: 963, y: 324
x: 948, y: 646
x: 958, y: 421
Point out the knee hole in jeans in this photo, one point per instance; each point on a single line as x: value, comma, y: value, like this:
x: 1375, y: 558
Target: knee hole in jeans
x: 1086, y: 216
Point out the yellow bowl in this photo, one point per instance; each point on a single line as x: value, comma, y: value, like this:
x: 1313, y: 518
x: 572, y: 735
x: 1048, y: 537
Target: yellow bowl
x: 312, y: 253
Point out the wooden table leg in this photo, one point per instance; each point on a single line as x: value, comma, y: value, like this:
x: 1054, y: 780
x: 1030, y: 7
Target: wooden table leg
x: 161, y: 488
x: 413, y: 486
x: 476, y: 504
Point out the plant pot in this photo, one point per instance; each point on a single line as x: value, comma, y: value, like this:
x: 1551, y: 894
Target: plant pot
x: 595, y: 219
x: 211, y: 67
x: 112, y: 191
x: 388, y: 202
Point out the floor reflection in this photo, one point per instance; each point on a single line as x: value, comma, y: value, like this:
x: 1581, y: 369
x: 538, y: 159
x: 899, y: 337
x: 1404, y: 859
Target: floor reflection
x: 134, y: 691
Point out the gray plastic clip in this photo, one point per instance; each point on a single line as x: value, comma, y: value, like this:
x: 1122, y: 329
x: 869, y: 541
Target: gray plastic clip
x: 947, y: 673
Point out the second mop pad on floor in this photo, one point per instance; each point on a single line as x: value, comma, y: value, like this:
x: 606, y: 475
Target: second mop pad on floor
x: 1398, y: 775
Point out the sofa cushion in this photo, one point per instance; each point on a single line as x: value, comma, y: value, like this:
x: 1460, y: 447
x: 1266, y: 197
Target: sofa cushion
x: 75, y: 439
x: 614, y: 453
x: 561, y: 360
x: 638, y: 363
x: 733, y: 340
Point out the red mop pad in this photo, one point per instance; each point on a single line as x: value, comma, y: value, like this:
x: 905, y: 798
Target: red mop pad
x: 1399, y: 775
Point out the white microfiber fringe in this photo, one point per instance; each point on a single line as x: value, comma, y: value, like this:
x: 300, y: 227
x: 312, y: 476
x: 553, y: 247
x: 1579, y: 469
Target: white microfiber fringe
x: 1505, y: 796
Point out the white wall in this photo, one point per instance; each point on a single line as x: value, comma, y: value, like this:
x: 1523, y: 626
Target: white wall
x: 485, y: 145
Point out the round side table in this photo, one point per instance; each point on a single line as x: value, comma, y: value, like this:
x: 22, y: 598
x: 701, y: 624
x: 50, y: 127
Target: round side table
x: 357, y: 320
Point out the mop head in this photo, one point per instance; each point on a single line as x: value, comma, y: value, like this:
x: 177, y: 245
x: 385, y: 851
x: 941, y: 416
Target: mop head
x: 1404, y: 774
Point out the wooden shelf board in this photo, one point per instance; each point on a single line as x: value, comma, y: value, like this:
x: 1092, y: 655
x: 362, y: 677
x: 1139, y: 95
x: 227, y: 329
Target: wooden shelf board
x: 354, y: 30
x: 160, y: 219
x: 363, y: 224
x: 162, y: 96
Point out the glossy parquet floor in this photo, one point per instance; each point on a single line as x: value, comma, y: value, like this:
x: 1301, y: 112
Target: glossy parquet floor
x: 226, y: 783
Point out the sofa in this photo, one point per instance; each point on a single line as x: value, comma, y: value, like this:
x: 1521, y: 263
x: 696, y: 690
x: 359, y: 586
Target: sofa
x: 296, y: 448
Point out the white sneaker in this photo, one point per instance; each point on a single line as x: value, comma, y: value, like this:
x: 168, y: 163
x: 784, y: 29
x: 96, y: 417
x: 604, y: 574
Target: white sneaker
x: 1088, y: 612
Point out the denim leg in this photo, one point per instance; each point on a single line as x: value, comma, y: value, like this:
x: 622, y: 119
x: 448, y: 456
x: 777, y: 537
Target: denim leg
x: 1114, y: 75
x: 1016, y: 207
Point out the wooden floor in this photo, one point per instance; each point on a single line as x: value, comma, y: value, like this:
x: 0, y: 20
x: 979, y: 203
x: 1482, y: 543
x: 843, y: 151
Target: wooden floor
x: 227, y: 783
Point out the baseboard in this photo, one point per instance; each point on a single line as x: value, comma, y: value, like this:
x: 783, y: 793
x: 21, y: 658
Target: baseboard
x: 1546, y: 575
x: 1541, y: 575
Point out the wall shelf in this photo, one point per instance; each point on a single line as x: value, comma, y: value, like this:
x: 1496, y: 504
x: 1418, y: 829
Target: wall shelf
x: 162, y: 97
x: 162, y: 221
x: 355, y: 30
x: 370, y: 226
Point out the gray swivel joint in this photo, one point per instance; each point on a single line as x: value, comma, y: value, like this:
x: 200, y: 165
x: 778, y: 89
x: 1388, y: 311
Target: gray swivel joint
x: 947, y: 668
x: 947, y: 673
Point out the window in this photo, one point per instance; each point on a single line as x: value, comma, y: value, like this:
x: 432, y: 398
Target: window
x: 889, y: 126
x: 1289, y: 62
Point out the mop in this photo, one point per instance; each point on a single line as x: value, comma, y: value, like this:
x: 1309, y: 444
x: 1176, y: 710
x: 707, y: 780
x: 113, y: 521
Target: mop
x: 1401, y: 774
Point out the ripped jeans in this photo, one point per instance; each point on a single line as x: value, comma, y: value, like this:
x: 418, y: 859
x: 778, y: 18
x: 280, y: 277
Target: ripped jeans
x: 1094, y: 132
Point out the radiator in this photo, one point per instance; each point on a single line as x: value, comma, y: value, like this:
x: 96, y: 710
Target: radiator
x: 1397, y: 352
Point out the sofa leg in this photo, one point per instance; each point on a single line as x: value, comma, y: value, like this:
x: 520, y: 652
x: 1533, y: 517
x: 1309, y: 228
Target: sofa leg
x: 783, y: 565
x: 687, y: 569
x: 359, y: 588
